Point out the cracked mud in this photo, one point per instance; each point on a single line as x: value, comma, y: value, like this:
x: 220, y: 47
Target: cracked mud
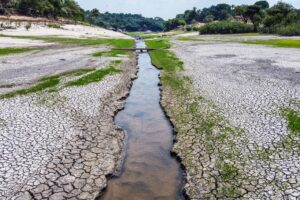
x: 60, y: 144
x: 242, y: 89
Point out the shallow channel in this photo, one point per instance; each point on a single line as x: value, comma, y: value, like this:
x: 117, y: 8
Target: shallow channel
x: 149, y: 171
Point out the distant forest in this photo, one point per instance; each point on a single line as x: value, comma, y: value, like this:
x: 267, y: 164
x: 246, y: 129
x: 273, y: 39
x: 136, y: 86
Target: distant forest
x: 69, y: 9
x: 43, y: 8
x: 281, y: 18
x: 125, y: 22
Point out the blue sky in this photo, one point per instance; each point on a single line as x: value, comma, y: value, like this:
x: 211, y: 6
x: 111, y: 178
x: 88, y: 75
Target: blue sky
x: 161, y: 8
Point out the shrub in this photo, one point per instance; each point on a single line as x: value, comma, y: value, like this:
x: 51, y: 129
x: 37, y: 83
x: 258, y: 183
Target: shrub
x: 289, y: 30
x: 52, y: 25
x: 226, y: 27
x: 28, y: 26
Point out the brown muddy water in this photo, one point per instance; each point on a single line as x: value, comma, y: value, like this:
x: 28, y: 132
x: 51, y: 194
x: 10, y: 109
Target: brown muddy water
x: 149, y: 171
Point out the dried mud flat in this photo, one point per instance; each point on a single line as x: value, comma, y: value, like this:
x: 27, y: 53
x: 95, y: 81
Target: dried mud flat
x: 61, y: 144
x: 247, y: 85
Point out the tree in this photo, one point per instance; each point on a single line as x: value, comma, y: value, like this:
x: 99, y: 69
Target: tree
x: 281, y: 13
x: 173, y: 24
x: 262, y: 4
x: 241, y: 11
x: 256, y: 14
x: 209, y: 18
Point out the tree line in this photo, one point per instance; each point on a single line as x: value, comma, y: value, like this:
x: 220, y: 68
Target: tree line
x: 124, y: 22
x: 280, y: 18
x: 69, y: 9
x: 43, y: 8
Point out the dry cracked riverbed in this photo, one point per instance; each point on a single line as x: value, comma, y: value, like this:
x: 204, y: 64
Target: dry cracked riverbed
x: 236, y: 144
x: 60, y: 144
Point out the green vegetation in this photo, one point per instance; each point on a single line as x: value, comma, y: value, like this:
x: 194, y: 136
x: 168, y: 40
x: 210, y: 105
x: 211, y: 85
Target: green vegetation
x: 226, y: 27
x: 277, y: 43
x: 43, y: 8
x: 282, y: 18
x: 293, y: 119
x: 93, y: 77
x: 145, y: 35
x: 10, y: 50
x: 250, y: 34
x: 45, y: 84
x: 228, y: 171
x: 76, y: 72
x: 193, y: 117
x: 290, y: 141
x: 50, y: 82
x: 117, y: 43
x: 189, y: 39
x: 53, y: 25
x: 125, y: 22
x: 112, y: 53
x: 158, y: 43
x: 289, y: 30
x: 166, y: 61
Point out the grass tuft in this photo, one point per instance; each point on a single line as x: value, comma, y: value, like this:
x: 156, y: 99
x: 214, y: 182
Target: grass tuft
x: 158, y: 43
x: 93, y: 77
x: 112, y: 53
x: 10, y: 50
x: 47, y: 83
x: 44, y: 83
x: 293, y: 119
x: 189, y: 39
x: 117, y: 43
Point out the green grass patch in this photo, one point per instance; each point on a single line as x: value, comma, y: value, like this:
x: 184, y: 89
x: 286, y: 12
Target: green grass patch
x: 47, y: 83
x: 117, y: 43
x: 250, y: 34
x: 277, y: 43
x: 10, y: 50
x: 76, y: 72
x: 189, y: 39
x: 226, y: 27
x: 228, y: 171
x: 112, y: 53
x: 145, y: 35
x: 93, y: 77
x: 166, y: 61
x: 293, y: 119
x: 158, y: 43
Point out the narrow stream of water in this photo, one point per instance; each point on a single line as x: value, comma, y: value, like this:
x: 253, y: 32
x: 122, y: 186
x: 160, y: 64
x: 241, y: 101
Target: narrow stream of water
x: 149, y: 171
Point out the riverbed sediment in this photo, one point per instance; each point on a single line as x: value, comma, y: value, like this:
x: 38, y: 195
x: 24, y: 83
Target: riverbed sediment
x: 231, y: 135
x: 60, y: 142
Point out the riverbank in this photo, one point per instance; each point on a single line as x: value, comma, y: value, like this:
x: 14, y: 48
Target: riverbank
x: 232, y: 151
x: 57, y: 108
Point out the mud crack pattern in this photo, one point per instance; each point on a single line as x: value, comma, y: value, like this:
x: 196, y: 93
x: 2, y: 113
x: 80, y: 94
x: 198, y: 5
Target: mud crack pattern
x: 62, y: 145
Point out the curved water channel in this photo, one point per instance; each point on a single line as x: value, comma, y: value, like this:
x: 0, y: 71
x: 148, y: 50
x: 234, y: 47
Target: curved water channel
x: 149, y: 171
